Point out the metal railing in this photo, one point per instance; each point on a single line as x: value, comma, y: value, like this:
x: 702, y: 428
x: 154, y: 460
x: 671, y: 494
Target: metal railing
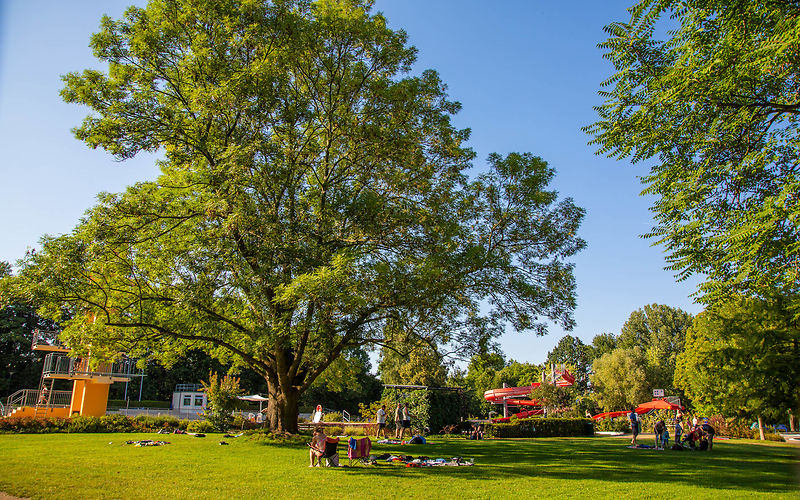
x: 60, y: 364
x: 35, y: 397
x: 188, y: 387
x: 46, y: 338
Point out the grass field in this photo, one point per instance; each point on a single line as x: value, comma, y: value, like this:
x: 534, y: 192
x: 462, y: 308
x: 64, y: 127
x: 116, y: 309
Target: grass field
x: 101, y: 466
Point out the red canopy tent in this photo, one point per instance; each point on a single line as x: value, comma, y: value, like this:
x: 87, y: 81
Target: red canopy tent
x: 656, y: 404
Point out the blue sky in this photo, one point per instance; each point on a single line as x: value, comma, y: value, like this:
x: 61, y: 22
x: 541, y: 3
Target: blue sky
x: 526, y: 73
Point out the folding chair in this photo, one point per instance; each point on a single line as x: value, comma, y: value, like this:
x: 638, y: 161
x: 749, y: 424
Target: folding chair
x: 331, y: 454
x: 358, y: 450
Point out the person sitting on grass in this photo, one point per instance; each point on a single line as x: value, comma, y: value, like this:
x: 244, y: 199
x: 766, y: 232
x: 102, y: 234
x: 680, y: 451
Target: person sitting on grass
x: 695, y: 438
x: 317, y: 446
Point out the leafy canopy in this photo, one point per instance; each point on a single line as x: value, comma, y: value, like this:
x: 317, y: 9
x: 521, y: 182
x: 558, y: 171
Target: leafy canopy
x: 714, y: 104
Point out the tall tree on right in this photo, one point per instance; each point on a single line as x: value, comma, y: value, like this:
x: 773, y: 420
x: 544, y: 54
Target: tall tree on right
x: 741, y: 359
x: 714, y: 106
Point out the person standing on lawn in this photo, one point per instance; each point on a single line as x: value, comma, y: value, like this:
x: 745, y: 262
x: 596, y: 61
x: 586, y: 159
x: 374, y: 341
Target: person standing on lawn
x: 678, y: 430
x: 398, y: 417
x: 658, y: 430
x: 381, y: 419
x: 634, y: 418
x: 406, y: 424
x: 710, y: 432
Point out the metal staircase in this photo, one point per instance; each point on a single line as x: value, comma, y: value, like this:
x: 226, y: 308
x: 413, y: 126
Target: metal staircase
x: 31, y: 398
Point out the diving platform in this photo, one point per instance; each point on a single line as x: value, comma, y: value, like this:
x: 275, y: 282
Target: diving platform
x: 60, y: 366
x: 91, y: 380
x: 47, y: 340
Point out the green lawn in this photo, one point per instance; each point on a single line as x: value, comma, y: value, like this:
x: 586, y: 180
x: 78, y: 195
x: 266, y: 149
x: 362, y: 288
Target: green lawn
x: 101, y: 466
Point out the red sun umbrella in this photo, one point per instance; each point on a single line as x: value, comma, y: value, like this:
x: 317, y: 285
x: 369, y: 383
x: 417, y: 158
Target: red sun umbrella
x: 657, y: 404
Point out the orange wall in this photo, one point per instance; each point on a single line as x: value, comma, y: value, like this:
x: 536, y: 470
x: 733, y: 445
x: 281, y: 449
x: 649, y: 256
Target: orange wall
x: 30, y: 411
x: 89, y: 398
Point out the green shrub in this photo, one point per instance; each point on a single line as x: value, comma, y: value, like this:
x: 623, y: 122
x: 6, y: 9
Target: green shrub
x: 239, y: 422
x: 333, y: 416
x: 541, y: 427
x: 268, y: 438
x: 151, y: 423
x: 222, y: 396
x: 117, y: 423
x: 86, y: 424
x: 620, y: 424
x: 334, y: 431
x: 354, y: 430
x: 29, y: 425
x: 203, y: 426
x: 106, y: 423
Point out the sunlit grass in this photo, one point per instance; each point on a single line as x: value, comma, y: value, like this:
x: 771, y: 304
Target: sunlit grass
x: 101, y: 466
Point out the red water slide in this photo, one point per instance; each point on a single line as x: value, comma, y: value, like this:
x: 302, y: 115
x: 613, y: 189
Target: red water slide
x: 509, y: 394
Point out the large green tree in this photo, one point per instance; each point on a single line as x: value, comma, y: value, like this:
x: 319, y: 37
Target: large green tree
x: 621, y: 379
x: 313, y: 199
x: 577, y: 357
x: 660, y: 331
x: 602, y: 343
x: 709, y: 92
x: 741, y: 359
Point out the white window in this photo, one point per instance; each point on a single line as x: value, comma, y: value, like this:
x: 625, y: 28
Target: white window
x: 187, y: 400
x: 198, y: 400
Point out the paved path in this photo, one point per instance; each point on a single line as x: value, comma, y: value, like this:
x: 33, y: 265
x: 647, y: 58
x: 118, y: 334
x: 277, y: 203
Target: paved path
x: 6, y: 496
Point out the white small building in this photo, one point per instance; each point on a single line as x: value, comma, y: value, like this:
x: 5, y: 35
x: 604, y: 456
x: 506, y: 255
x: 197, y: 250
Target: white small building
x: 189, y: 398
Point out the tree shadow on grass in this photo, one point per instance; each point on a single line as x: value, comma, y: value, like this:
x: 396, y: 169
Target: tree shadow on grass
x: 740, y: 467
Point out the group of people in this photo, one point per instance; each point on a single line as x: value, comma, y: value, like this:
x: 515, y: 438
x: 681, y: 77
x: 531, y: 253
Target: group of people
x: 699, y: 437
x: 402, y: 421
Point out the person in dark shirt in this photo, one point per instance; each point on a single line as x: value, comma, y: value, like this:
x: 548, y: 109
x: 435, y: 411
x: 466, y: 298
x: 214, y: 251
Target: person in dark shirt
x: 710, y: 433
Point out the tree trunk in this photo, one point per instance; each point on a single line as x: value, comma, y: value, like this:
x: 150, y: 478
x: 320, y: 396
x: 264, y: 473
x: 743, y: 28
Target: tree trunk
x: 282, y: 407
x: 761, y: 427
x: 792, y: 422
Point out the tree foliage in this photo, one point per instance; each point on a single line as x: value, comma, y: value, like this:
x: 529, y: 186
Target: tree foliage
x: 660, y: 331
x: 421, y: 366
x: 715, y: 105
x: 603, y: 343
x: 576, y: 355
x: 313, y: 199
x: 223, y: 396
x: 621, y: 379
x: 741, y: 360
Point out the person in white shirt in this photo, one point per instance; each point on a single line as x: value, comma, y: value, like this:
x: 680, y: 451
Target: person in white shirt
x: 317, y: 415
x: 381, y: 419
x: 406, y: 422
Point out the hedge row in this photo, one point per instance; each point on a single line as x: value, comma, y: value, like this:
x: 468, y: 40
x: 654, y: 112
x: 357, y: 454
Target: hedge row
x: 541, y: 427
x: 106, y: 423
